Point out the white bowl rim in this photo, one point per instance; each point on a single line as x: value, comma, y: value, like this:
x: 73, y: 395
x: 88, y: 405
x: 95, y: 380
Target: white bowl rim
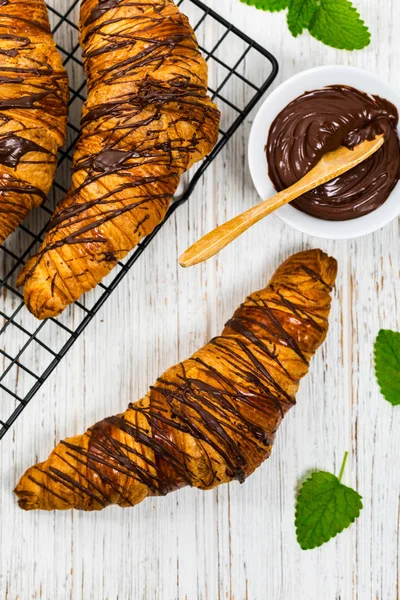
x: 259, y: 171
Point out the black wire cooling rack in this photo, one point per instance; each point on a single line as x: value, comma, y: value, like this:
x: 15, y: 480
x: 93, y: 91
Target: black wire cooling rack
x: 240, y: 71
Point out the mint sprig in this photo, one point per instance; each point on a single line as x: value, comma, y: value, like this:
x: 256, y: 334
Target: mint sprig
x: 335, y: 23
x: 387, y: 364
x: 325, y: 507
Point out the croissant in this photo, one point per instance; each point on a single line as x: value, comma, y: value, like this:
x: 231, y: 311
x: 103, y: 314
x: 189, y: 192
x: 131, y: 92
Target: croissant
x: 207, y: 420
x: 33, y: 109
x: 147, y: 119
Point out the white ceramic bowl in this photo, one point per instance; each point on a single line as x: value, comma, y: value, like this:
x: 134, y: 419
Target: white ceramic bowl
x: 289, y: 90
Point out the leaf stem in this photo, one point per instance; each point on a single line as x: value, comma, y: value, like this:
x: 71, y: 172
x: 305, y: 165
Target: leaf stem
x: 343, y: 466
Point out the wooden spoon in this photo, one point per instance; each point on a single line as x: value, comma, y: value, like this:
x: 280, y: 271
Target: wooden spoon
x: 330, y: 166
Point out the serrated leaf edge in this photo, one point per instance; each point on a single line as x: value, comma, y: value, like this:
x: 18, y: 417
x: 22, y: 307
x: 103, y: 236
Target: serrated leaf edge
x: 341, y: 47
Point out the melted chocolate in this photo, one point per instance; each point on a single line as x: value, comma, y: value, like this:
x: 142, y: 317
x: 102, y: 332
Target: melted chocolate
x: 41, y: 26
x: 9, y: 184
x: 6, y: 79
x: 99, y: 10
x: 21, y: 42
x: 22, y: 102
x: 14, y: 147
x: 320, y: 121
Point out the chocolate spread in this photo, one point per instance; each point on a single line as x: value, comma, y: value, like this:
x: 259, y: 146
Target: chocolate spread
x: 320, y: 121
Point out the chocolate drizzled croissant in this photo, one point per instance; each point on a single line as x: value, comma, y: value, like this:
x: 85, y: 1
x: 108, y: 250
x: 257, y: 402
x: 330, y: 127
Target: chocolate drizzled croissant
x: 33, y: 109
x: 147, y: 119
x: 207, y: 420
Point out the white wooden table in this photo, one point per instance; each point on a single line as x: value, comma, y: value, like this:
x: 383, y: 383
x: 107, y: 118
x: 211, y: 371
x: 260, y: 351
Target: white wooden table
x: 236, y: 542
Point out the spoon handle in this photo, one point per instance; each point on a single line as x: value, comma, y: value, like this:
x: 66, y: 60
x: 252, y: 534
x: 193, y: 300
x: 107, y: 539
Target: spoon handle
x: 330, y: 166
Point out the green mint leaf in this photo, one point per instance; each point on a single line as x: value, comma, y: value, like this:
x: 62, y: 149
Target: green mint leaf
x: 338, y: 24
x: 271, y: 5
x: 335, y: 23
x: 387, y: 364
x: 300, y: 14
x: 325, y: 507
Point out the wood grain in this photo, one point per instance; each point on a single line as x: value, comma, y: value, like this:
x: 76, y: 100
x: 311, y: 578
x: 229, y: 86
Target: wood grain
x: 237, y: 542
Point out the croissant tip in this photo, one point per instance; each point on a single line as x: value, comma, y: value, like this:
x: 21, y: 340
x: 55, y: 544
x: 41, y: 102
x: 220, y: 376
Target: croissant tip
x: 321, y: 257
x: 26, y: 500
x: 331, y: 264
x: 45, y: 311
x: 43, y: 305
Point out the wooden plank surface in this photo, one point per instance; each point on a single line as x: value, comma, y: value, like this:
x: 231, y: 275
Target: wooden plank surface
x: 237, y: 542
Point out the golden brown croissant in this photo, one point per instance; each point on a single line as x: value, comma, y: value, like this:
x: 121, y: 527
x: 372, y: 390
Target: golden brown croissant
x: 209, y: 419
x: 33, y: 109
x: 147, y: 119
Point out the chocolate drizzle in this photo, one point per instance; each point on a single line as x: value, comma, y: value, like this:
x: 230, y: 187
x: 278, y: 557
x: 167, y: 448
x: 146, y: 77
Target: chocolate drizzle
x: 21, y: 42
x: 10, y: 185
x: 99, y: 10
x: 14, y: 147
x: 228, y: 399
x: 8, y: 79
x: 320, y: 121
x: 22, y: 102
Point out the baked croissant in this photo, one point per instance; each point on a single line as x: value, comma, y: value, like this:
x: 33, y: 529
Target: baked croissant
x: 33, y: 109
x: 147, y: 119
x: 209, y: 419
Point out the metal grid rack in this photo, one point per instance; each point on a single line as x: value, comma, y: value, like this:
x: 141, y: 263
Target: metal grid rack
x: 240, y: 71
